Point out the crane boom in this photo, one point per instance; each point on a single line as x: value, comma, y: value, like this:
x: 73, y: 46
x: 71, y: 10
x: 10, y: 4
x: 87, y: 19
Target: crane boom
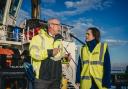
x: 35, y: 9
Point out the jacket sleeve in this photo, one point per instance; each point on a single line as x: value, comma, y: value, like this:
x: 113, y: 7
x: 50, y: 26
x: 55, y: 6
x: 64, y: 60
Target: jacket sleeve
x: 78, y: 71
x: 107, y: 71
x: 36, y: 50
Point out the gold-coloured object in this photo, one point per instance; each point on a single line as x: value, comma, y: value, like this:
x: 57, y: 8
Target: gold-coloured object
x: 64, y: 83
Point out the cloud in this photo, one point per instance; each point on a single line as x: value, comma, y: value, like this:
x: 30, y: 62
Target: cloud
x: 119, y: 65
x: 85, y: 5
x: 114, y: 42
x: 79, y: 7
x: 80, y: 25
x: 107, y: 4
x: 69, y: 4
x: 22, y: 16
x: 48, y: 1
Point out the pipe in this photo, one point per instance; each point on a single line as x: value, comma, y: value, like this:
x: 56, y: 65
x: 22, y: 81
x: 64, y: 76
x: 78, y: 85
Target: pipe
x: 77, y: 39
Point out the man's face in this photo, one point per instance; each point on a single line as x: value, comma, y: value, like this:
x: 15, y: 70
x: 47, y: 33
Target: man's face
x: 55, y: 26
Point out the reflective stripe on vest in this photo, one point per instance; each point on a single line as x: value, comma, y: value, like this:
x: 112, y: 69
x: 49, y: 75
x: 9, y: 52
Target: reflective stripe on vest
x: 92, y: 68
x: 37, y: 48
x: 94, y: 62
x: 88, y: 78
x: 85, y: 77
x: 101, y: 51
x: 82, y: 55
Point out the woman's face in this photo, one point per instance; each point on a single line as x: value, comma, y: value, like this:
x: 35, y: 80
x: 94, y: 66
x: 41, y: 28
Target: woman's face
x: 89, y: 35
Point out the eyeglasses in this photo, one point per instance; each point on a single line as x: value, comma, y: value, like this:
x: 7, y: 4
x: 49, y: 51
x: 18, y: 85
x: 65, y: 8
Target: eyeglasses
x: 87, y: 34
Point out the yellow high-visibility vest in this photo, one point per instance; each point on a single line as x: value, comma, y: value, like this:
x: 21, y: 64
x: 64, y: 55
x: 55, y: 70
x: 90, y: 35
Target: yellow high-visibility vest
x: 38, y: 49
x: 92, y: 66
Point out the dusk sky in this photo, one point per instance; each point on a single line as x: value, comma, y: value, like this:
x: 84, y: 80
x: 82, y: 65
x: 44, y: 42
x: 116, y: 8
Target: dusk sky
x: 110, y: 16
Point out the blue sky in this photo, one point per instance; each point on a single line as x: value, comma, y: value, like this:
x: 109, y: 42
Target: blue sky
x: 110, y: 16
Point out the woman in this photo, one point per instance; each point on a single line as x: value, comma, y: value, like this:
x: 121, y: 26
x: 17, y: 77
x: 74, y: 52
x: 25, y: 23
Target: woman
x: 93, y: 71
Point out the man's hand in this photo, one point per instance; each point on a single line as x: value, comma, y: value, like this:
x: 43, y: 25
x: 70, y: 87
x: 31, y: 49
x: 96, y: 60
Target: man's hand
x: 68, y: 57
x: 55, y: 51
x: 78, y: 85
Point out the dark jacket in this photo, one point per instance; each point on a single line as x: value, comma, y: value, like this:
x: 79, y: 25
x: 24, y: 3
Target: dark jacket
x: 51, y: 69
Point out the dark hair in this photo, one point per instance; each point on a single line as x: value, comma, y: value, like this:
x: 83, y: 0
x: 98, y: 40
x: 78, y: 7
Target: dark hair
x: 95, y: 33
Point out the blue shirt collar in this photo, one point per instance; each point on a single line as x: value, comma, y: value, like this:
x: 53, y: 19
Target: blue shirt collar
x: 91, y: 44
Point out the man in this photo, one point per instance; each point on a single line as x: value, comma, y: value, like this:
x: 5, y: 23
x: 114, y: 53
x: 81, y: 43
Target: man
x: 93, y: 71
x: 46, y: 51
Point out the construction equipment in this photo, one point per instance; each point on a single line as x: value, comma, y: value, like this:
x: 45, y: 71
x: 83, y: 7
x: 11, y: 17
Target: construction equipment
x: 119, y: 80
x: 16, y: 37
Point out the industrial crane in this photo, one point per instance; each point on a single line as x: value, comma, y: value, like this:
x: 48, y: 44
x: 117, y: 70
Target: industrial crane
x: 14, y: 40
